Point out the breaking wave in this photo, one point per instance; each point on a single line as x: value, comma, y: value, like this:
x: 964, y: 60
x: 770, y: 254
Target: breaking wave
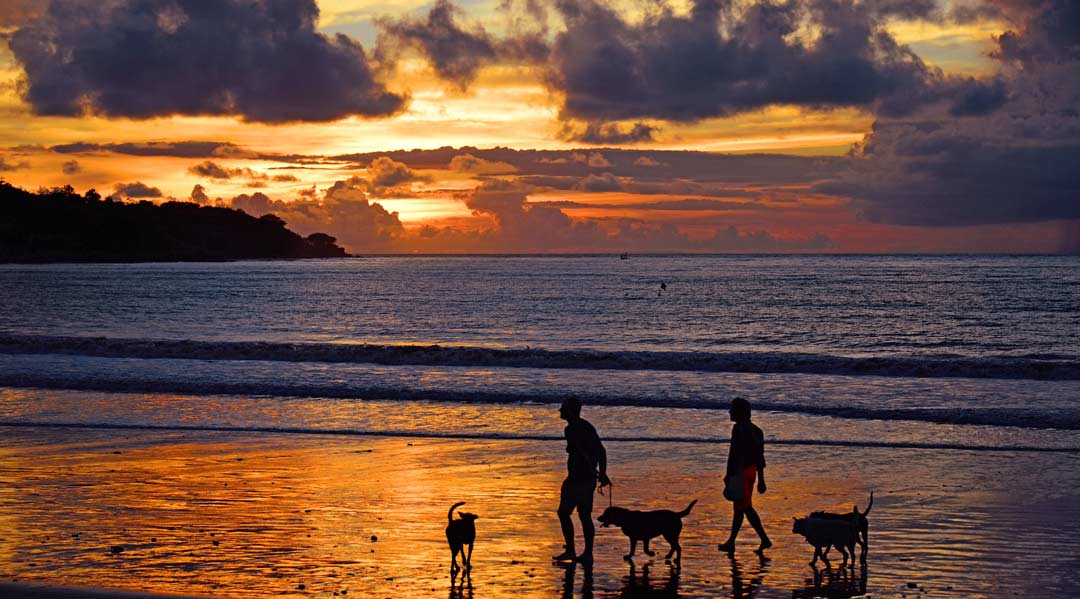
x: 1050, y: 367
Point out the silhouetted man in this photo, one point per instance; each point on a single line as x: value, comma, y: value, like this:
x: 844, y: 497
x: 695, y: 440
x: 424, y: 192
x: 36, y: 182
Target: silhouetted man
x: 746, y: 461
x: 586, y: 464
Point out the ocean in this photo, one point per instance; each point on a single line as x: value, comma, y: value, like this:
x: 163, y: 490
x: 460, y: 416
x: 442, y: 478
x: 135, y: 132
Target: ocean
x: 939, y: 351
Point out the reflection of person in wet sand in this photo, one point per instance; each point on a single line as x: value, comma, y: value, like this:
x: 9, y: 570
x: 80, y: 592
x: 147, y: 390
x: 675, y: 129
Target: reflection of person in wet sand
x: 568, y: 581
x: 746, y: 461
x: 745, y: 585
x: 585, y: 465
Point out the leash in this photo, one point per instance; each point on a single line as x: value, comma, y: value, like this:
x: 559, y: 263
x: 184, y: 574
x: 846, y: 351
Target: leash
x: 610, y: 493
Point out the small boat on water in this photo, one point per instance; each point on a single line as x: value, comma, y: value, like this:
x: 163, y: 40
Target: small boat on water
x: 624, y: 256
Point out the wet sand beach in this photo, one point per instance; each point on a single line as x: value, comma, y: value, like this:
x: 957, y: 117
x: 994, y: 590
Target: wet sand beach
x: 227, y: 514
x: 16, y: 590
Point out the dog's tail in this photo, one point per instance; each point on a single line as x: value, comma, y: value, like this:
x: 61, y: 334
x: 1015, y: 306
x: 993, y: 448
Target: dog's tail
x: 870, y: 505
x: 450, y: 514
x: 686, y: 512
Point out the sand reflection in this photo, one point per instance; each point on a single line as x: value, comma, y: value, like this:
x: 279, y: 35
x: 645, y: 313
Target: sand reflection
x: 257, y: 515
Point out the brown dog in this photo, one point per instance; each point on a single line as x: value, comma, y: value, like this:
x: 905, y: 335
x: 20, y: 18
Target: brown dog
x: 643, y: 526
x: 459, y: 533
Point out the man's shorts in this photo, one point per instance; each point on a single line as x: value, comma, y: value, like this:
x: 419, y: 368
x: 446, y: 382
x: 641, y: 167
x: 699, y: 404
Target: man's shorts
x: 577, y: 494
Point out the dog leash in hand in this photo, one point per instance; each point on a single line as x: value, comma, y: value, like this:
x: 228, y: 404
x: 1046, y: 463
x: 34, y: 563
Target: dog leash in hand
x: 610, y: 493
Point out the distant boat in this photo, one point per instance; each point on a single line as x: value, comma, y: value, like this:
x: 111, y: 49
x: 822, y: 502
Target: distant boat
x: 624, y: 256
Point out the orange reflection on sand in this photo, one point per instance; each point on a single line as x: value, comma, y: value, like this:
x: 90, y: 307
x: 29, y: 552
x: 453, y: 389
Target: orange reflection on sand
x: 256, y: 515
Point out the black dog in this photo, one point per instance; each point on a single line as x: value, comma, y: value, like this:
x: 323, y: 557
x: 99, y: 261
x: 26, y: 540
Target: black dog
x: 858, y: 521
x: 643, y: 526
x: 459, y: 533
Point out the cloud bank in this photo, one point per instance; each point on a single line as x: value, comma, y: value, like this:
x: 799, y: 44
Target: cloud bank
x: 260, y: 60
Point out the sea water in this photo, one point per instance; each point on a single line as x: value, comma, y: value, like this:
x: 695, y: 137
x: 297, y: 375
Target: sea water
x: 957, y: 351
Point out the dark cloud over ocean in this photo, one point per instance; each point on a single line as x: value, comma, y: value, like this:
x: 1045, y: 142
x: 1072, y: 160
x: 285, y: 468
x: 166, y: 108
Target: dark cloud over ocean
x: 260, y: 60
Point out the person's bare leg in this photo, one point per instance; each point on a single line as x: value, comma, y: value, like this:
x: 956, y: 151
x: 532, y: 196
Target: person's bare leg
x: 736, y: 524
x: 755, y: 521
x: 588, y: 531
x: 565, y: 511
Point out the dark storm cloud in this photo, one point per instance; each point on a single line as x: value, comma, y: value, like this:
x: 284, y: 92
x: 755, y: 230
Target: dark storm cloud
x: 569, y: 166
x: 137, y: 189
x: 199, y: 196
x: 979, y: 98
x: 1049, y: 30
x: 949, y: 175
x: 178, y: 149
x: 71, y: 167
x: 467, y: 163
x: 260, y: 60
x: 694, y: 205
x: 1010, y: 154
x: 182, y: 149
x: 609, y: 133
x: 385, y: 172
x: 601, y: 182
x: 6, y: 165
x: 213, y: 170
x: 716, y: 62
x: 456, y: 52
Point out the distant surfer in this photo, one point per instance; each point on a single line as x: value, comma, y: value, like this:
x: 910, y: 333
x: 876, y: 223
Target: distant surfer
x: 663, y: 288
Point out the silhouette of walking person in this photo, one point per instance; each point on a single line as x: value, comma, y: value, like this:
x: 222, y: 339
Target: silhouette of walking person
x: 746, y: 461
x: 586, y: 464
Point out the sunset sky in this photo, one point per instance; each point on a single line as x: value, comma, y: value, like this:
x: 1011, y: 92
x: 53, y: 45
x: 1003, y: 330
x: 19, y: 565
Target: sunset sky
x: 565, y: 125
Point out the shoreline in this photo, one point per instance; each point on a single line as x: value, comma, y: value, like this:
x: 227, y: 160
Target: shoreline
x: 719, y: 441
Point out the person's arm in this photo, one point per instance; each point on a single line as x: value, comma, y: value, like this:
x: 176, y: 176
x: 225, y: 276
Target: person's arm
x: 734, y: 457
x: 601, y: 462
x: 761, y: 461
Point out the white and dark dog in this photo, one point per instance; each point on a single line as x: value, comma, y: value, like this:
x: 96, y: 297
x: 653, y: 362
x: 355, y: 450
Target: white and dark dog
x: 858, y: 520
x: 825, y: 530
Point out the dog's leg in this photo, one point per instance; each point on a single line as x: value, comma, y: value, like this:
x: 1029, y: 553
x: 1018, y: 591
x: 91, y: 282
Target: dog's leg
x: 645, y: 547
x: 825, y: 557
x: 453, y: 559
x: 675, y: 547
x: 865, y: 543
x: 633, y: 548
x: 468, y: 562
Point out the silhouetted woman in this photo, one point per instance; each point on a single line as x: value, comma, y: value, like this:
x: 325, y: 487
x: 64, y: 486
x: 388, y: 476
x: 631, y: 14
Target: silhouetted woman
x: 746, y: 461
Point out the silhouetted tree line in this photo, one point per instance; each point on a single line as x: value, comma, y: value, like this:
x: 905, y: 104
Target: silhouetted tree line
x: 59, y: 225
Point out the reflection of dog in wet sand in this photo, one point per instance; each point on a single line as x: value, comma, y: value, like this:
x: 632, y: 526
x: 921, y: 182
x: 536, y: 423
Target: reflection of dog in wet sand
x: 459, y: 533
x: 857, y: 520
x: 644, y: 526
